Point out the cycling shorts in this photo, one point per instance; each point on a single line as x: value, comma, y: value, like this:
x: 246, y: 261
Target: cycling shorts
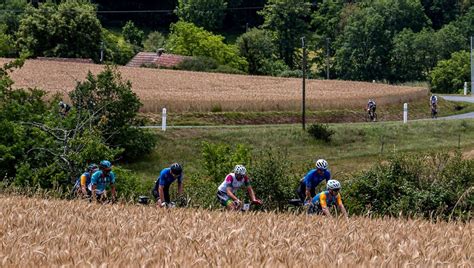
x: 224, y: 199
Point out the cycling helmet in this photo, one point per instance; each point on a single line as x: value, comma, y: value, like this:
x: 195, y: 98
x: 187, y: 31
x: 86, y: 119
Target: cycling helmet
x: 176, y: 169
x: 333, y: 185
x: 322, y: 164
x: 92, y: 167
x: 240, y: 170
x: 105, y: 164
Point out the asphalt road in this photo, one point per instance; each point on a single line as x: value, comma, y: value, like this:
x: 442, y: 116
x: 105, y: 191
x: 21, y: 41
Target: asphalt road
x: 468, y: 98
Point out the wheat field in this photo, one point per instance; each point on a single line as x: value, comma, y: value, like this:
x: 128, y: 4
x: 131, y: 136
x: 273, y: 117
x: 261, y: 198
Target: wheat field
x: 196, y: 91
x: 40, y: 232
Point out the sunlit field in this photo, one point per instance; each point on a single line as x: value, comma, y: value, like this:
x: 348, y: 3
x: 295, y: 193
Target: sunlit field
x: 38, y: 232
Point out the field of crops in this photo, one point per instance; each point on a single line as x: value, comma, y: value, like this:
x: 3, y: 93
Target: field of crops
x: 38, y: 232
x: 194, y: 91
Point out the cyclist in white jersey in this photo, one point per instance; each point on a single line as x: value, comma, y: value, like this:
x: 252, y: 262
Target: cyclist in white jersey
x: 228, y: 188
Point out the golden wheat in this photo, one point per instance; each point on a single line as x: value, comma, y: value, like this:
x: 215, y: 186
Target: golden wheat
x: 39, y: 232
x: 195, y: 91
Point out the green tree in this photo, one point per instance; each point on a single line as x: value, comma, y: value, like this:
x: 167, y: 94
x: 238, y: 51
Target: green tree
x: 258, y: 48
x: 69, y: 29
x: 154, y: 41
x: 116, y: 49
x: 288, y: 19
x: 6, y: 43
x: 114, y: 107
x: 441, y: 12
x: 449, y: 75
x: 133, y: 35
x: 190, y: 40
x: 363, y: 51
x: 11, y: 13
x: 208, y: 14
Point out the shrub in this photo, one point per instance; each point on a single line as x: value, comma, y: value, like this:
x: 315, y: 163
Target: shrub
x: 449, y: 75
x: 220, y: 159
x: 153, y: 42
x: 133, y: 35
x: 436, y: 185
x: 199, y: 64
x: 321, y: 132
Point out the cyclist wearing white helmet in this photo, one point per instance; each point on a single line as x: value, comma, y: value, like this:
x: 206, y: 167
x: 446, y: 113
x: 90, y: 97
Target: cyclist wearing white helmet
x: 307, y: 187
x: 326, y: 199
x: 232, y: 182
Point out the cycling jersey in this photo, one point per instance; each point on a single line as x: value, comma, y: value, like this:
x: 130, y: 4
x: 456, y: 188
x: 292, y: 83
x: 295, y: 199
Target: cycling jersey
x: 100, y: 180
x: 166, y: 178
x: 312, y: 178
x: 85, y: 179
x: 232, y: 181
x: 434, y: 100
x: 325, y: 199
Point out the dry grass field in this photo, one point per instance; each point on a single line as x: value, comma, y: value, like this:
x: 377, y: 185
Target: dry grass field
x: 39, y: 232
x: 194, y: 91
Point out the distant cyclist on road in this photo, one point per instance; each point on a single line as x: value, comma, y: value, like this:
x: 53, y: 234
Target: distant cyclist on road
x: 161, y: 191
x: 307, y: 188
x: 232, y: 182
x: 99, y: 181
x: 323, y: 201
x: 371, y: 107
x: 434, y: 105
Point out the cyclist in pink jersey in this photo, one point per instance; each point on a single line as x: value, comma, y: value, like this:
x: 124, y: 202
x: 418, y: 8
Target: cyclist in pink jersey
x: 228, y: 188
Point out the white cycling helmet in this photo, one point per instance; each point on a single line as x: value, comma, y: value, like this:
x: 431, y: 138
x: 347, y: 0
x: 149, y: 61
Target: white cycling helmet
x: 240, y: 170
x: 333, y: 185
x: 322, y: 164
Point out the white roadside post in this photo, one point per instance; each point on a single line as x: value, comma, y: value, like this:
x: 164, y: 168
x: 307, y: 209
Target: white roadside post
x: 465, y: 88
x: 405, y: 113
x: 163, y: 120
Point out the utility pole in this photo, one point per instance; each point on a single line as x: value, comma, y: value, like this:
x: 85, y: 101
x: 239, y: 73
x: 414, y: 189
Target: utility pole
x: 101, y: 51
x: 472, y: 65
x: 303, y: 119
x: 327, y: 58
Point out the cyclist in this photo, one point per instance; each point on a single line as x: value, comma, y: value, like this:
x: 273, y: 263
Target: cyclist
x: 371, y: 107
x: 85, y: 180
x: 100, y: 179
x: 307, y: 188
x: 326, y: 199
x: 434, y: 105
x: 232, y: 182
x: 64, y: 108
x: 161, y: 191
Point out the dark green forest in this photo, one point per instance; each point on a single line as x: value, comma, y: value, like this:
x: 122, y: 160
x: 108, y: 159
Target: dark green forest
x: 394, y: 41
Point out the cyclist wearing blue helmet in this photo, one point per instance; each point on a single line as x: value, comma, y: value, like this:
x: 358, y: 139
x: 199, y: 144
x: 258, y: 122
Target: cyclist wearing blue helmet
x: 100, y: 179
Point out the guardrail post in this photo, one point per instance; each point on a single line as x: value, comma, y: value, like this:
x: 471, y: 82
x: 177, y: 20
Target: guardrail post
x: 465, y: 88
x: 163, y: 120
x: 405, y: 113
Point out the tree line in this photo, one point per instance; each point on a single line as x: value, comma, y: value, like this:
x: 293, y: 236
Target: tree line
x: 394, y: 41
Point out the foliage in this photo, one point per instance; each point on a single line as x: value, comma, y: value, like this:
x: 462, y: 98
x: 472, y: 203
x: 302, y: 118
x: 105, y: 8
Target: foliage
x: 69, y: 29
x: 441, y: 12
x: 258, y: 48
x: 288, y: 20
x: 116, y: 49
x: 271, y: 180
x: 190, y: 40
x: 153, y: 42
x: 114, y: 106
x: 220, y: 159
x: 11, y: 13
x: 429, y: 185
x: 449, y: 75
x: 7, y: 47
x: 205, y: 64
x: 201, y: 191
x: 321, y: 132
x: 129, y: 185
x: 133, y: 35
x: 208, y: 14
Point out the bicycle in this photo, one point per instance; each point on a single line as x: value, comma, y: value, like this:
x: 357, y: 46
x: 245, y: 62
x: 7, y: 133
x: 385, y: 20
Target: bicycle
x: 434, y: 111
x: 371, y: 115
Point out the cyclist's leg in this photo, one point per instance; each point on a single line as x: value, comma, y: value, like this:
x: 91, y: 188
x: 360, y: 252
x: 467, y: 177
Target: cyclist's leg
x: 166, y: 191
x: 301, y: 191
x: 155, y: 194
x: 225, y: 200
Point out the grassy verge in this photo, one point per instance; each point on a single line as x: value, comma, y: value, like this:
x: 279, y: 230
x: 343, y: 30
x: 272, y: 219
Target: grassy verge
x: 354, y: 147
x: 417, y: 110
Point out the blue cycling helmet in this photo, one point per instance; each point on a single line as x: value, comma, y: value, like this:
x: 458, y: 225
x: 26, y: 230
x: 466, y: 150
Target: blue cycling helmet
x: 92, y: 167
x: 105, y: 164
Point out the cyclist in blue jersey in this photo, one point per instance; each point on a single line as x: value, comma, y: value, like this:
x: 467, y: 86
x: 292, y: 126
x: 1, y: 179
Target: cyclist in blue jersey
x: 161, y: 191
x: 99, y: 181
x: 307, y: 188
x: 326, y: 199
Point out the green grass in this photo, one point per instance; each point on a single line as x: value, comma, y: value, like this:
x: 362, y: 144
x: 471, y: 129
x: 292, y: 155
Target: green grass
x: 354, y: 147
x: 417, y: 110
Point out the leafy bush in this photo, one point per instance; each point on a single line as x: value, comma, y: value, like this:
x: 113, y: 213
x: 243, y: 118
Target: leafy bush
x: 153, y: 42
x: 449, y: 75
x: 198, y: 64
x: 133, y: 35
x: 436, y: 185
x: 220, y: 159
x: 321, y: 132
x: 116, y: 49
x: 257, y: 47
x: 271, y: 180
x: 208, y: 14
x: 201, y: 191
x: 189, y: 40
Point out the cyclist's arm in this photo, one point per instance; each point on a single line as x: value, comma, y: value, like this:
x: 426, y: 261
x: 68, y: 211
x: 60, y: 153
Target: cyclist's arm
x: 94, y: 196
x: 180, y: 188
x: 231, y: 194
x: 161, y: 190
x: 112, y: 190
x: 83, y: 184
x: 251, y: 193
x: 341, y: 206
x: 324, y: 206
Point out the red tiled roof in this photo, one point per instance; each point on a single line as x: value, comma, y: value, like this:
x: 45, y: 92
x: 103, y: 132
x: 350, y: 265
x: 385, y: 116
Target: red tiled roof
x: 165, y: 60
